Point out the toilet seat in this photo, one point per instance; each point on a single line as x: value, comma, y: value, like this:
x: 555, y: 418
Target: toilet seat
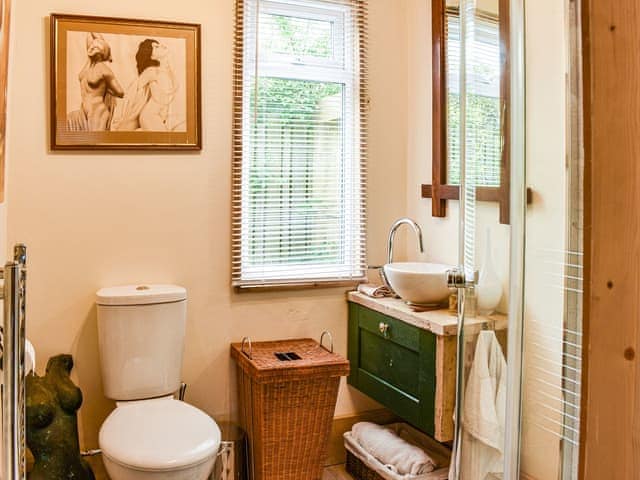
x: 159, y: 434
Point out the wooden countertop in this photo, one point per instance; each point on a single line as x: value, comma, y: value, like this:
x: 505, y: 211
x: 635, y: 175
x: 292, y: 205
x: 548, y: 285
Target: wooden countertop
x: 439, y: 322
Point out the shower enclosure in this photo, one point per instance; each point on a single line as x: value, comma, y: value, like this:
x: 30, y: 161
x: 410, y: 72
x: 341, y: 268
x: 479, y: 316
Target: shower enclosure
x: 538, y: 257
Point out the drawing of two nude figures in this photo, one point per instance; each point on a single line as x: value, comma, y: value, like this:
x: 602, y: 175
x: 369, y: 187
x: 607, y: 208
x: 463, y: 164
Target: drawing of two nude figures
x: 125, y: 83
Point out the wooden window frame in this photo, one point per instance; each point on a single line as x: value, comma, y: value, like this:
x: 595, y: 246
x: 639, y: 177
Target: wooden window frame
x: 439, y: 191
x: 284, y: 278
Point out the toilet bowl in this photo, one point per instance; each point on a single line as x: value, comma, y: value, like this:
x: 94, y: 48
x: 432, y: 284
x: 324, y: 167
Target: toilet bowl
x: 150, y: 435
x: 159, y: 439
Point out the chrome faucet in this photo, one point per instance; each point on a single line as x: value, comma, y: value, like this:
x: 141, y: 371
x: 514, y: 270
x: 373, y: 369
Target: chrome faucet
x: 394, y: 229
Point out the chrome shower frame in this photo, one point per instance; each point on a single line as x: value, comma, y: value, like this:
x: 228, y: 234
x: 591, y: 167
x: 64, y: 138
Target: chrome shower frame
x: 513, y: 417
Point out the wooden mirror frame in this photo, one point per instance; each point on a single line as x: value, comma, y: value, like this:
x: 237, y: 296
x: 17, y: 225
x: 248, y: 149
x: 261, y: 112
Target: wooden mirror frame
x: 439, y: 191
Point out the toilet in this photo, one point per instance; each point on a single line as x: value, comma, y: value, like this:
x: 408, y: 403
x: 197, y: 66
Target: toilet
x: 150, y: 435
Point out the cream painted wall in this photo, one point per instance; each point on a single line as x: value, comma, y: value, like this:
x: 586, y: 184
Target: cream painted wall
x: 98, y: 219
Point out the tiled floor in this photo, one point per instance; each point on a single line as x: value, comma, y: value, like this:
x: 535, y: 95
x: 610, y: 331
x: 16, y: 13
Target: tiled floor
x: 336, y: 472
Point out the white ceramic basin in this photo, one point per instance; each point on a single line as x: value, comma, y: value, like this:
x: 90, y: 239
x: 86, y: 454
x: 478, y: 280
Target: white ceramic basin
x: 422, y: 284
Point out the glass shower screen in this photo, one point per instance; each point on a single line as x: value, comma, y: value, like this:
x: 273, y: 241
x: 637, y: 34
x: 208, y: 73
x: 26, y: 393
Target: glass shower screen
x: 484, y: 246
x: 520, y: 285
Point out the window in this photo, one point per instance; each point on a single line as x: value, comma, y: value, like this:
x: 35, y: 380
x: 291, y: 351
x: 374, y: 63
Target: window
x: 486, y: 111
x: 299, y: 142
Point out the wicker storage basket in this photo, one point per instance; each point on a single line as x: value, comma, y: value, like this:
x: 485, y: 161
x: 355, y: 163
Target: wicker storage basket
x: 287, y: 397
x: 363, y: 466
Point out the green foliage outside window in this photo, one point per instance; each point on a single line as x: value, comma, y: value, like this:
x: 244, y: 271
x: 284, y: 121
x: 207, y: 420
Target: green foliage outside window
x: 483, y: 121
x: 289, y: 132
x: 299, y: 37
x: 296, y: 156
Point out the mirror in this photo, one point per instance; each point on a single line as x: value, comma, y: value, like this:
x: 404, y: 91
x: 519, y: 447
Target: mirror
x: 486, y: 112
x: 483, y: 90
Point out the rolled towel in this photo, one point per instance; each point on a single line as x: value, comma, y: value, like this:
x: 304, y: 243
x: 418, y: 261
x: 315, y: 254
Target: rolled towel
x: 391, y: 450
x: 374, y: 291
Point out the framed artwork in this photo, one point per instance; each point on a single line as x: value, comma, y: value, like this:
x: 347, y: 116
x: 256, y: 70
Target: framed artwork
x: 120, y: 84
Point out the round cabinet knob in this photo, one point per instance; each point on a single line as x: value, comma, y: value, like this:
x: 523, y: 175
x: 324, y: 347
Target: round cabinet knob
x: 384, y: 328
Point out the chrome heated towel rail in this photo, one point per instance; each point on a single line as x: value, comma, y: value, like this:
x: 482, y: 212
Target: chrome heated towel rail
x: 13, y: 362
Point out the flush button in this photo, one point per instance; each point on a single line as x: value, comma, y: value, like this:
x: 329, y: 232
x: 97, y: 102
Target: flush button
x: 142, y: 287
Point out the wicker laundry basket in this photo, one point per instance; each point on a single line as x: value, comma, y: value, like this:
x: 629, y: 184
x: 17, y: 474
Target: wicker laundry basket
x: 287, y: 391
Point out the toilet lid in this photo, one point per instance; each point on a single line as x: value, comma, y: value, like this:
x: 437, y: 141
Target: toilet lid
x: 159, y: 434
x: 140, y: 295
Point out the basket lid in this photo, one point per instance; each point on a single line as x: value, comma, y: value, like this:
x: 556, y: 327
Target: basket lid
x: 282, y: 360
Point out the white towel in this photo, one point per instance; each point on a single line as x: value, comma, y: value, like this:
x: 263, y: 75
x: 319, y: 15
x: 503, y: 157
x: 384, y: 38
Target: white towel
x: 481, y: 453
x: 374, y: 291
x: 392, y: 450
x: 29, y: 360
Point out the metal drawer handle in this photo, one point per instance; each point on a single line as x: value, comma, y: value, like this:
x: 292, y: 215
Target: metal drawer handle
x: 384, y: 329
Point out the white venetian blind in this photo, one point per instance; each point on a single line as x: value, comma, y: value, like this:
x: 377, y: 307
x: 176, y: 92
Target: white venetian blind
x: 483, y: 116
x: 299, y: 142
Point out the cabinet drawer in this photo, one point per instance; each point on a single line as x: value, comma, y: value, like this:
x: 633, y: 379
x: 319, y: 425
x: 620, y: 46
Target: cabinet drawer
x: 397, y: 332
x: 401, y: 403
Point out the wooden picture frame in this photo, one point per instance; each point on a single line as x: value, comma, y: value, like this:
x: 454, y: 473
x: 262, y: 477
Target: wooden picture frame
x: 122, y: 84
x: 5, y: 26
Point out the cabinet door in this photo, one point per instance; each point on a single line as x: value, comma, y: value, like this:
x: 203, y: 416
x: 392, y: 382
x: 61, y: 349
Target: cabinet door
x: 394, y: 365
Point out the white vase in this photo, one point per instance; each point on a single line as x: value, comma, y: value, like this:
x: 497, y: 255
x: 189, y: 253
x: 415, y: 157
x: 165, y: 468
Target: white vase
x: 489, y: 288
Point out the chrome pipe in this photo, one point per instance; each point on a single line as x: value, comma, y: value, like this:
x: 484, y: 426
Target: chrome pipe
x: 182, y: 392
x: 13, y: 413
x: 518, y: 200
x: 20, y: 253
x: 463, y: 226
x: 91, y: 453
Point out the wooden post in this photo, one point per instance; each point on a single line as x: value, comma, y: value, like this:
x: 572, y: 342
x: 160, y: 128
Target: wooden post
x: 610, y: 443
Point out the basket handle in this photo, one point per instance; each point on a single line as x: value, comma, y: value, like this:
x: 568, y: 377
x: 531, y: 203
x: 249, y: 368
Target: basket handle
x: 250, y: 353
x: 327, y: 333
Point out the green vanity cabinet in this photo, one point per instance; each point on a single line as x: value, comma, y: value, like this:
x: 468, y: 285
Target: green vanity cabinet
x: 396, y: 364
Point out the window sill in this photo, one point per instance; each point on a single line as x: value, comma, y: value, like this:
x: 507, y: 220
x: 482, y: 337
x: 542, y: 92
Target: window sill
x: 310, y: 285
